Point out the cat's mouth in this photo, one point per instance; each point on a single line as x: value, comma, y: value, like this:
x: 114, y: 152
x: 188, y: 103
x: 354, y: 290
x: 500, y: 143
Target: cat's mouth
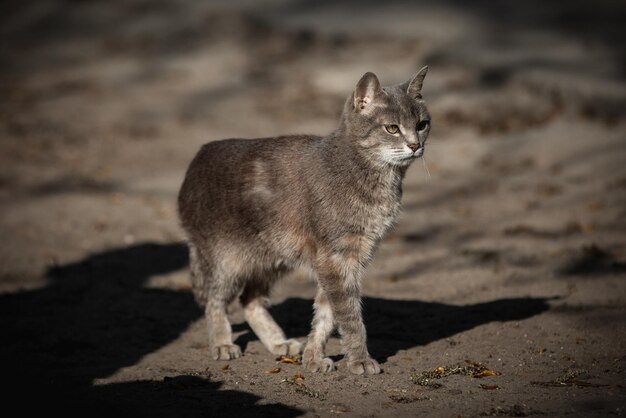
x: 416, y: 154
x: 402, y: 157
x: 407, y: 159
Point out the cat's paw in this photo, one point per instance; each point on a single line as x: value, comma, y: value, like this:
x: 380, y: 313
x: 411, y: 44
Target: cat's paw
x: 367, y: 366
x: 225, y: 352
x: 319, y: 364
x: 289, y: 347
x: 314, y: 361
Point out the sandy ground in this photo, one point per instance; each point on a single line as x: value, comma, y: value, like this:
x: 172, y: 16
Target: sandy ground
x: 510, y: 252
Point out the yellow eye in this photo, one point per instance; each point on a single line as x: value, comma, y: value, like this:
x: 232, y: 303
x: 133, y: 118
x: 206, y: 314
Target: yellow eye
x: 392, y: 129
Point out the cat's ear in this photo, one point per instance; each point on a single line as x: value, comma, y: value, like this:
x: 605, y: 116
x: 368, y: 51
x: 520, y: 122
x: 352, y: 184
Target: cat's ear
x: 366, y: 89
x: 414, y: 88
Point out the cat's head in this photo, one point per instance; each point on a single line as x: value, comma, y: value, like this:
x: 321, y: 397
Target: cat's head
x: 388, y: 124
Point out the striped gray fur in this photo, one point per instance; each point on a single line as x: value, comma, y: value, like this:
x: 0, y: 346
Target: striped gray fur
x: 256, y: 209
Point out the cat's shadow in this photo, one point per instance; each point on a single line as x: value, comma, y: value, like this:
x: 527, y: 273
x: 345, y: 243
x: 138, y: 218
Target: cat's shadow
x: 95, y: 317
x: 394, y: 325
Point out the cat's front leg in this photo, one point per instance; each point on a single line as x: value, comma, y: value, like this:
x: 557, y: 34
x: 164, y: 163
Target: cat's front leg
x: 313, y: 357
x: 339, y: 277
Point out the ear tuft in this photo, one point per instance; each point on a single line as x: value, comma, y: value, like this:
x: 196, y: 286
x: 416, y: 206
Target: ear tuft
x: 415, y: 85
x: 366, y: 89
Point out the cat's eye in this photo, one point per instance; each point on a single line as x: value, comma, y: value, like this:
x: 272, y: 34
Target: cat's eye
x: 392, y: 129
x: 423, y: 125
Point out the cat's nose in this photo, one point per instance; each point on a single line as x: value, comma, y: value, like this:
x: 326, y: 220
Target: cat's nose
x: 414, y: 147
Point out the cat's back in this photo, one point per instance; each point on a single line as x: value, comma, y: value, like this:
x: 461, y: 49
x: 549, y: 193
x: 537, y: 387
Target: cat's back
x: 233, y: 178
x: 230, y: 152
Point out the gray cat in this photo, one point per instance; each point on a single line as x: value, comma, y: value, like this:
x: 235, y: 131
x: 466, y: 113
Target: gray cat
x: 256, y: 209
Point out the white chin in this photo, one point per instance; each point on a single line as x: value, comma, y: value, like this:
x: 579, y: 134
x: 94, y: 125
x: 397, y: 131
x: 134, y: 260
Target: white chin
x: 405, y: 161
x: 402, y: 159
x: 411, y: 157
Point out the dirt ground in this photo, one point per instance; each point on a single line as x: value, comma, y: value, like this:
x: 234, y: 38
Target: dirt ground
x: 510, y: 252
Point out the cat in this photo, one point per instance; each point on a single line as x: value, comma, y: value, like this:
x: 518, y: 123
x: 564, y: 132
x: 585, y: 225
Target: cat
x: 256, y: 209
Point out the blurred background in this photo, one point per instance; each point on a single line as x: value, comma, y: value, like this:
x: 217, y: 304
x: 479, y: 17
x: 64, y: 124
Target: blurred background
x: 103, y: 105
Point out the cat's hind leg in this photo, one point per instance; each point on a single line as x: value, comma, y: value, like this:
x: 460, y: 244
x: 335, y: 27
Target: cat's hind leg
x: 255, y: 302
x: 220, y: 332
x: 214, y: 289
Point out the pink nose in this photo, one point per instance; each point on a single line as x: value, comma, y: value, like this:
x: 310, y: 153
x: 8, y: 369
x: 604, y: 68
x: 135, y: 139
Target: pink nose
x: 414, y: 147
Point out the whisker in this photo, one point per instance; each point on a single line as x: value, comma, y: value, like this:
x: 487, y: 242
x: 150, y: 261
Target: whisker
x: 425, y: 166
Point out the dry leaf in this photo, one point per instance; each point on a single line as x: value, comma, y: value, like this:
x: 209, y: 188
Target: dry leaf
x: 297, y: 359
x: 273, y: 371
x: 473, y: 369
x: 486, y: 373
x: 226, y: 367
x: 489, y: 387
